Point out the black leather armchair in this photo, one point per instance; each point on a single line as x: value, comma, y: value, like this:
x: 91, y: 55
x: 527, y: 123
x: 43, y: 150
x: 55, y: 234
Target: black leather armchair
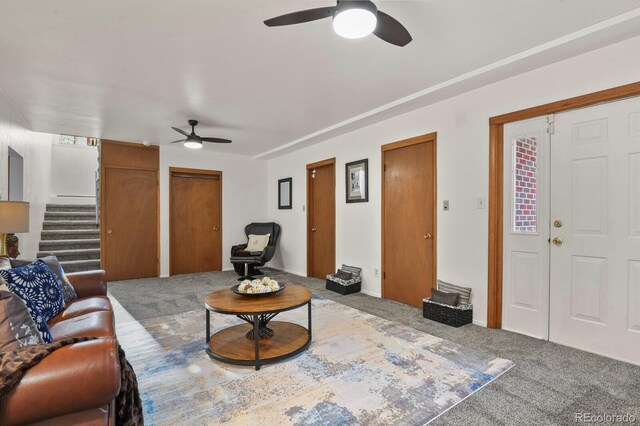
x: 246, y: 263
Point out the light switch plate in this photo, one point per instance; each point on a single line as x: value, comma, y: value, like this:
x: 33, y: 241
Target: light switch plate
x: 445, y: 205
x: 482, y: 202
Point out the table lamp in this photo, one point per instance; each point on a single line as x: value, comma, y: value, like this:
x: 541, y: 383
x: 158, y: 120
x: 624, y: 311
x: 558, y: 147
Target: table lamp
x: 14, y: 218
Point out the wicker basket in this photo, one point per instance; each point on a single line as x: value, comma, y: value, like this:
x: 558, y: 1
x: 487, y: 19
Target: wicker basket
x: 352, y: 285
x: 455, y: 316
x: 343, y: 289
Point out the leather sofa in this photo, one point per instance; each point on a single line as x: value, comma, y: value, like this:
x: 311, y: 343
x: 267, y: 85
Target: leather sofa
x: 78, y: 383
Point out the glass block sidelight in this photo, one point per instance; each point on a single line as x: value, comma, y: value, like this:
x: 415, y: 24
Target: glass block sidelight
x: 524, y: 217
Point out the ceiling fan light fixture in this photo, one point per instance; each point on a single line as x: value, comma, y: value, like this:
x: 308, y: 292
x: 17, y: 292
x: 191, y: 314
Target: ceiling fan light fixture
x: 193, y: 144
x: 355, y: 22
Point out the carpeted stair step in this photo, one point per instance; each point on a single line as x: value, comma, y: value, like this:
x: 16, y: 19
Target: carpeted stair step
x: 70, y: 234
x: 54, y: 245
x: 74, y: 254
x: 69, y: 224
x: 71, y: 208
x: 80, y: 265
x: 84, y: 216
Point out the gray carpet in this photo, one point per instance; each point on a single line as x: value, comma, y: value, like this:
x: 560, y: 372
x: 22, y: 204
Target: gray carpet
x: 548, y: 385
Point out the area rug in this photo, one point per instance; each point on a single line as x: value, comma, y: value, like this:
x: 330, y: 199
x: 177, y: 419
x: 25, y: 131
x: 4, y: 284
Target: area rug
x: 359, y: 369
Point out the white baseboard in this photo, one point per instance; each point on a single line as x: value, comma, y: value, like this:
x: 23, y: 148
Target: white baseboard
x: 371, y: 293
x: 368, y: 293
x: 302, y: 274
x: 480, y: 323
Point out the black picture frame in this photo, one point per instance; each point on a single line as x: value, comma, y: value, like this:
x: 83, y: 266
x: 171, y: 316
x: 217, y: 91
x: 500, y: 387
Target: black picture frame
x: 356, y: 175
x: 285, y: 186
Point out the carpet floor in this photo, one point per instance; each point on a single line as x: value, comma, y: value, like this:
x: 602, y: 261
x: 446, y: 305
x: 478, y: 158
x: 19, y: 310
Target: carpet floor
x: 549, y: 384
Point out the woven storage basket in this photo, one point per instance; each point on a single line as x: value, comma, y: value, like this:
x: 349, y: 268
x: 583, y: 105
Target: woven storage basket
x: 455, y: 316
x: 343, y: 289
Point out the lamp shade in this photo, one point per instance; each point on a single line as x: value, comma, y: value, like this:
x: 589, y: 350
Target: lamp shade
x: 14, y: 217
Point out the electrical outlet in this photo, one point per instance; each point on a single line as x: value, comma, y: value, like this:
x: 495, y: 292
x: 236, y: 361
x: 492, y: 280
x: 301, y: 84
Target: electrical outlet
x: 482, y: 202
x: 376, y: 273
x: 445, y: 205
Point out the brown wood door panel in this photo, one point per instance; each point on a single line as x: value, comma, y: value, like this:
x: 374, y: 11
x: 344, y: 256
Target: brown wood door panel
x: 195, y: 223
x: 128, y: 155
x: 130, y: 223
x: 409, y: 230
x: 321, y: 243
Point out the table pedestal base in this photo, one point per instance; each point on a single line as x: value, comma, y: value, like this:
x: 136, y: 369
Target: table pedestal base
x: 264, y: 332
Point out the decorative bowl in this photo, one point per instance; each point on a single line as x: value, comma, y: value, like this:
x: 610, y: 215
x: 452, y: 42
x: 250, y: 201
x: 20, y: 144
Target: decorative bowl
x: 235, y: 290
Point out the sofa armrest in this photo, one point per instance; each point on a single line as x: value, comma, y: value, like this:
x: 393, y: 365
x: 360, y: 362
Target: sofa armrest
x: 74, y: 378
x: 89, y: 283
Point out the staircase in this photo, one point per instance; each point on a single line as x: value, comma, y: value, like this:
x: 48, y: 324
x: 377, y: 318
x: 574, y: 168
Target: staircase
x: 70, y: 233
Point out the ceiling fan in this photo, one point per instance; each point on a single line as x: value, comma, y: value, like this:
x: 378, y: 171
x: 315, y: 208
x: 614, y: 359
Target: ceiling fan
x: 351, y: 19
x: 194, y: 141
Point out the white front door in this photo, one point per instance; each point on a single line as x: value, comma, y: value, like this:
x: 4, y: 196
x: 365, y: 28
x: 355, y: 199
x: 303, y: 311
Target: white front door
x: 595, y: 230
x: 525, y: 278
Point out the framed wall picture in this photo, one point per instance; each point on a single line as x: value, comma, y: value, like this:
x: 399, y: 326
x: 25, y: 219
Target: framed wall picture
x: 357, y: 181
x: 284, y: 193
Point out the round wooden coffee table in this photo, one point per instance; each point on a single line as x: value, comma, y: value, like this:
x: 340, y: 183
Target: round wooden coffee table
x: 277, y: 340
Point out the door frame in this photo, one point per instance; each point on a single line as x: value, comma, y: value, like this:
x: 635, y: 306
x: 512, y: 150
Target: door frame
x: 496, y: 166
x: 327, y: 162
x: 201, y: 172
x: 101, y: 169
x: 426, y: 138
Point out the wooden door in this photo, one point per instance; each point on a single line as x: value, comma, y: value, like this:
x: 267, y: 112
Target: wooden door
x: 321, y: 219
x: 130, y: 223
x: 195, y: 221
x: 409, y: 219
x: 129, y: 210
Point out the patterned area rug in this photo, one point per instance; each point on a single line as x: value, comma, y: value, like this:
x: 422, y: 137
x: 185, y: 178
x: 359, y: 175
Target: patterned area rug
x: 359, y: 369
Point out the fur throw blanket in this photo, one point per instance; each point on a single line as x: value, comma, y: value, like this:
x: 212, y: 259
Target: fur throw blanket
x: 239, y: 251
x: 14, y: 365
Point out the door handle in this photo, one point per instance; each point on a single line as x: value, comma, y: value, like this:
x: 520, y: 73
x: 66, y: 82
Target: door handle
x: 313, y: 229
x: 215, y: 229
x: 109, y: 231
x: 427, y: 236
x: 557, y: 241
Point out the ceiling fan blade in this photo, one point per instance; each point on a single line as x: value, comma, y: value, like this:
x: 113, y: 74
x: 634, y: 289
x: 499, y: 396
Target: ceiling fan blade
x: 216, y: 140
x: 301, y: 17
x: 391, y: 31
x: 181, y: 140
x: 180, y: 131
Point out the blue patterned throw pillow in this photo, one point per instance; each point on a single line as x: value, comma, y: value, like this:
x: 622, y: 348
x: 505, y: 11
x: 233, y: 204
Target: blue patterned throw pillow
x: 38, y: 284
x: 38, y: 319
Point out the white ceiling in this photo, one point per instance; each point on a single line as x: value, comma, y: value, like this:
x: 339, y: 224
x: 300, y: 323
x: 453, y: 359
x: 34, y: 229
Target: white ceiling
x: 128, y: 70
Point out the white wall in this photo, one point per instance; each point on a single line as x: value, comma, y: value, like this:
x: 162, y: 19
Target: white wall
x: 73, y: 176
x: 463, y: 148
x: 243, y: 194
x: 35, y: 148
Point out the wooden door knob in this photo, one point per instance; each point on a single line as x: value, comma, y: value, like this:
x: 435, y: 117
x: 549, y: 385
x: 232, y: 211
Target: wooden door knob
x: 427, y: 236
x: 109, y: 231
